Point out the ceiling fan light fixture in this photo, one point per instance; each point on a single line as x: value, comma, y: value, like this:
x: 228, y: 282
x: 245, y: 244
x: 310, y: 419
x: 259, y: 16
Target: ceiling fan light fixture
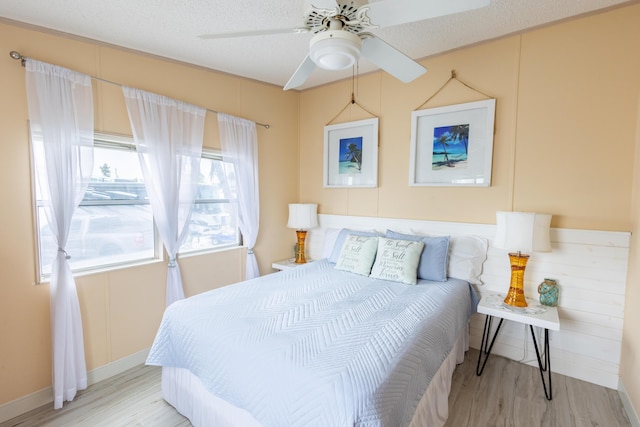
x: 335, y: 49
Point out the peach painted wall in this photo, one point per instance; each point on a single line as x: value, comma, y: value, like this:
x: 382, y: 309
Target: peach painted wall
x: 121, y: 309
x: 564, y: 143
x: 565, y: 122
x: 565, y: 140
x: 630, y: 360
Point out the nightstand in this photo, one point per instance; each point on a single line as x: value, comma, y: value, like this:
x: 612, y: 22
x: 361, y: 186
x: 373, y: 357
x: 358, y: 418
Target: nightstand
x: 535, y: 314
x: 287, y: 264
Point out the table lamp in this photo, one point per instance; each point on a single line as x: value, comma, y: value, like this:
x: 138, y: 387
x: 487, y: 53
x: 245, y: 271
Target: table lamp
x: 521, y: 232
x: 302, y: 216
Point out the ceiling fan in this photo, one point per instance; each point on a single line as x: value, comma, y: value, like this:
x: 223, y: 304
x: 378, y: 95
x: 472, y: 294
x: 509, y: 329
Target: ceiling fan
x: 341, y: 36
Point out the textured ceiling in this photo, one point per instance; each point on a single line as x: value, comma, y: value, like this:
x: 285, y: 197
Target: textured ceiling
x: 170, y: 28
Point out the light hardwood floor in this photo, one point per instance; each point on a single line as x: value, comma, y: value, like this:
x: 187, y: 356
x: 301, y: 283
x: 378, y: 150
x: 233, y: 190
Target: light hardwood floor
x: 507, y: 394
x: 510, y: 393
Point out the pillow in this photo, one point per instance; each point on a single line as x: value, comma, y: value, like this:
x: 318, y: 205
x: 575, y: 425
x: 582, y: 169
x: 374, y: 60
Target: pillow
x: 357, y: 254
x: 337, y: 247
x: 330, y: 236
x: 397, y: 260
x: 466, y: 256
x: 433, y: 261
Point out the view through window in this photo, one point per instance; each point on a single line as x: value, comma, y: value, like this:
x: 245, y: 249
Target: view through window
x: 213, y: 218
x: 113, y: 226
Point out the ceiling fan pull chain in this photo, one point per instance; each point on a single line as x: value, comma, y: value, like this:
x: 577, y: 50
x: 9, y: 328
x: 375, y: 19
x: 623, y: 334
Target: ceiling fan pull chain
x: 353, y: 83
x: 354, y: 80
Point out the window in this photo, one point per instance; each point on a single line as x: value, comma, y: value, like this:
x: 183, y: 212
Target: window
x: 113, y: 226
x: 213, y: 219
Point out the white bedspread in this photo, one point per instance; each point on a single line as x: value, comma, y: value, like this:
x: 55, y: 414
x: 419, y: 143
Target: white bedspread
x: 314, y: 346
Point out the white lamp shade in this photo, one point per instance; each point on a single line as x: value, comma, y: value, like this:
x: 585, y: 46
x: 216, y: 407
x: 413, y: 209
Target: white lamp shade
x: 523, y: 231
x: 303, y: 216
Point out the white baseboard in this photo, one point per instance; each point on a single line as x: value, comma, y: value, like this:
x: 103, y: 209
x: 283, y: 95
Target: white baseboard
x: 25, y: 404
x: 628, y: 406
x: 45, y: 396
x: 117, y: 367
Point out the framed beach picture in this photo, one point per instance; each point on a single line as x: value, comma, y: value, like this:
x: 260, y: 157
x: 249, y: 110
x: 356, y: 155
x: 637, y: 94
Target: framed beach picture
x: 452, y: 145
x: 351, y: 154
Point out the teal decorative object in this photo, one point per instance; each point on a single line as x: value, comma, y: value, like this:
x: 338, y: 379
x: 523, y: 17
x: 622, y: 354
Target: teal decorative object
x: 548, y: 291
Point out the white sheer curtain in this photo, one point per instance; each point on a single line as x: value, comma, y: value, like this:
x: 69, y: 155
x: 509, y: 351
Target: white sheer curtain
x: 239, y: 142
x: 61, y: 120
x: 168, y: 135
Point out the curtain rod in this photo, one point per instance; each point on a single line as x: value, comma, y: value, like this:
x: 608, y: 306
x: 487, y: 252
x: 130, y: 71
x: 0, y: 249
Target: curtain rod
x: 17, y: 56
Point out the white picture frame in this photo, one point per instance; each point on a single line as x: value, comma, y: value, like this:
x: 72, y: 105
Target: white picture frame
x: 351, y: 154
x: 452, y: 145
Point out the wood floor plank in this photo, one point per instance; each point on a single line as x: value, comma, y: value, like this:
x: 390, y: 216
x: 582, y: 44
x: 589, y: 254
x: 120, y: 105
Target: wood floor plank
x: 510, y: 393
x: 507, y: 394
x: 132, y: 398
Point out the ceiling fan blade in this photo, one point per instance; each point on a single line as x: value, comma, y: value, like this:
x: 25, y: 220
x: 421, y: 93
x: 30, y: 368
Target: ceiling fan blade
x: 391, y: 60
x: 396, y: 12
x: 254, y: 33
x: 302, y: 73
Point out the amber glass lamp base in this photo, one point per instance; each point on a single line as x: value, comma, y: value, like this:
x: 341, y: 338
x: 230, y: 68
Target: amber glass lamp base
x: 515, y: 296
x: 300, y: 259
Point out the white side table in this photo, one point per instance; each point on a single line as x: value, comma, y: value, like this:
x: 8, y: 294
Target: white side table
x: 287, y: 264
x: 535, y: 314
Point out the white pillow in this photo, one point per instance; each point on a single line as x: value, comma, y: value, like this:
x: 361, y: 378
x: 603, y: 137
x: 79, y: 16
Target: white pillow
x: 330, y: 236
x: 357, y: 254
x: 397, y: 260
x: 466, y: 256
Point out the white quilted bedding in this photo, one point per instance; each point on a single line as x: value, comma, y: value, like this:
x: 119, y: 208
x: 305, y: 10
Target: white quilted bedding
x: 314, y: 346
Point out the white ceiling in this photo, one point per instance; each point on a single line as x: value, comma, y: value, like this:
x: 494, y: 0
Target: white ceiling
x: 169, y: 28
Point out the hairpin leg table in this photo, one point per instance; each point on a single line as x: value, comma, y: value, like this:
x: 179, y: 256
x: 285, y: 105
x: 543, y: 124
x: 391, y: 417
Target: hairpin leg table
x: 534, y: 315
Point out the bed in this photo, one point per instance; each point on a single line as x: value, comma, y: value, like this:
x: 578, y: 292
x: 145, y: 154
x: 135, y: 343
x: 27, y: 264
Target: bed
x: 322, y: 344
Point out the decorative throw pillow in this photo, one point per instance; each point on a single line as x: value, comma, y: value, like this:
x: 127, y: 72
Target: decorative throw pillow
x: 357, y: 254
x: 397, y: 260
x: 434, y: 257
x: 339, y: 241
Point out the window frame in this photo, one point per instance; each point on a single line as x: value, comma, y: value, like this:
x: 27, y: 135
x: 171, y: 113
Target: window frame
x: 126, y: 143
x: 213, y: 154
x: 113, y: 142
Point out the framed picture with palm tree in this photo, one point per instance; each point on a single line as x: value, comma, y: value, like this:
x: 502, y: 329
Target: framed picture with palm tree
x: 351, y: 154
x: 452, y: 145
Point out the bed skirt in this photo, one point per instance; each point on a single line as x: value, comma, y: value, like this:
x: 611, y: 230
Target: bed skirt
x: 187, y: 394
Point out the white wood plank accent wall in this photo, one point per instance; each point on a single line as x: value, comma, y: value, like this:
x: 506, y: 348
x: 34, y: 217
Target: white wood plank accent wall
x: 591, y: 270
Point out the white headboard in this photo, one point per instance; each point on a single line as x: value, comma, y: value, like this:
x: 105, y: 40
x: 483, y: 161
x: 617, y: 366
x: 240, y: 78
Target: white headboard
x: 590, y: 267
